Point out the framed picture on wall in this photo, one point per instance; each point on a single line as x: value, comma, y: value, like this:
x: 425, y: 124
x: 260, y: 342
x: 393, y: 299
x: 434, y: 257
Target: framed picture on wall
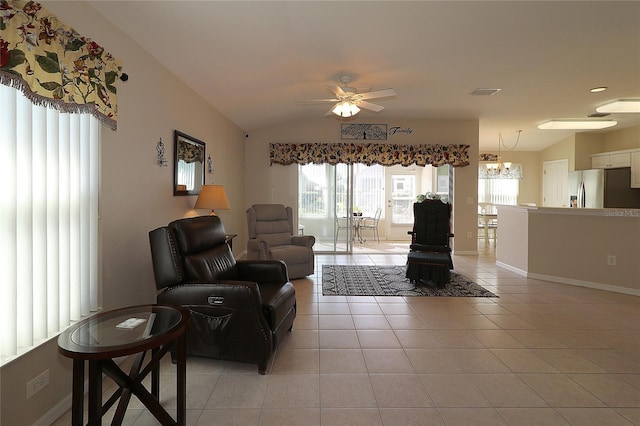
x: 371, y: 132
x: 188, y: 172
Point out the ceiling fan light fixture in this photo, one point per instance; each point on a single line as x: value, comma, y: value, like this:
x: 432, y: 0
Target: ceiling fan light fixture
x: 345, y: 109
x: 621, y: 106
x: 576, y: 124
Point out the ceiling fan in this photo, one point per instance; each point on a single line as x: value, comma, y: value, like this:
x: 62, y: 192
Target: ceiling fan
x: 348, y: 101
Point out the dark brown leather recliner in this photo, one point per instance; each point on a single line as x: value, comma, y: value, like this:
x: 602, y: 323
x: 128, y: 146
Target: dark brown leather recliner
x: 240, y: 310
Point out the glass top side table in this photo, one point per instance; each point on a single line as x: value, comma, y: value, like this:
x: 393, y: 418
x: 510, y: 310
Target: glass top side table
x: 135, y: 331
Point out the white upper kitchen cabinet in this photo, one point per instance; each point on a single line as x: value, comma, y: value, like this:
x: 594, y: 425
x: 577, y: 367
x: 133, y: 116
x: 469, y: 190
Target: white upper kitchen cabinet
x: 611, y: 160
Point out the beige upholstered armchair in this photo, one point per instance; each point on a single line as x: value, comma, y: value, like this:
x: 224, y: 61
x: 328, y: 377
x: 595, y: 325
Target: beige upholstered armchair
x: 271, y: 238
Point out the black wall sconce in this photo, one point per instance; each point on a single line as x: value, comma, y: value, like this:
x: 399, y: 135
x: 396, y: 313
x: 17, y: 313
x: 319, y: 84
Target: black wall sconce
x: 162, y: 161
x: 210, y: 164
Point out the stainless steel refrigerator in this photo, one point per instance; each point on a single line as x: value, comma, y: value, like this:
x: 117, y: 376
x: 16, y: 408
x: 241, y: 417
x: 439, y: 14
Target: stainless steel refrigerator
x: 586, y: 188
x: 603, y: 188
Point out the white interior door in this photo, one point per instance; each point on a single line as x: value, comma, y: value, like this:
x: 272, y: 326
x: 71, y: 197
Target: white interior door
x: 401, y: 189
x: 555, y: 183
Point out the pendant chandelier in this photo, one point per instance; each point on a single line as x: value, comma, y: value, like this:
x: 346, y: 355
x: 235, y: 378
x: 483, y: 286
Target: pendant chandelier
x: 501, y: 168
x: 488, y: 168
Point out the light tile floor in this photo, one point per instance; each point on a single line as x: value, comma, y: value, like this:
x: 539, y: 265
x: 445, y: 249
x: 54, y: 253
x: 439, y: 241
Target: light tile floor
x: 540, y: 354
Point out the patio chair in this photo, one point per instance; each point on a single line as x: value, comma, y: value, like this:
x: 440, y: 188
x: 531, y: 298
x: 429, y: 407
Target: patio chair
x: 372, y: 224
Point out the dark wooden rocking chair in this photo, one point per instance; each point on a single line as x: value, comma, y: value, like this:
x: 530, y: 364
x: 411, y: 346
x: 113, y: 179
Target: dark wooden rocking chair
x: 429, y: 260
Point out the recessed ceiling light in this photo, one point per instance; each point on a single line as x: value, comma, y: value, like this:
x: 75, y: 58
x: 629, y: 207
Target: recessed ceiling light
x: 621, y: 105
x: 599, y: 89
x: 576, y: 124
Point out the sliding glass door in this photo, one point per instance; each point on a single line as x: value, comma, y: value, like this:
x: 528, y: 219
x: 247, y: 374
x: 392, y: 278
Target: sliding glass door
x: 325, y: 205
x: 329, y: 195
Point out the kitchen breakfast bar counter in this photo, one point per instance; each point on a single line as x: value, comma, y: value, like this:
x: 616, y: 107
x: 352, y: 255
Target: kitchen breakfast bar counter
x: 596, y: 248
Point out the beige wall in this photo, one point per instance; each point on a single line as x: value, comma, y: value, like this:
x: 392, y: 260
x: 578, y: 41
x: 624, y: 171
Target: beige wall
x: 565, y: 149
x: 621, y: 139
x: 512, y: 243
x: 558, y: 245
x: 585, y: 145
x: 279, y: 184
x: 136, y: 196
x: 561, y: 246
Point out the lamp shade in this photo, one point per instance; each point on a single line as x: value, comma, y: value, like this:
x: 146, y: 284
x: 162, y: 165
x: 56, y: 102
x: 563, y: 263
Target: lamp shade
x: 212, y: 197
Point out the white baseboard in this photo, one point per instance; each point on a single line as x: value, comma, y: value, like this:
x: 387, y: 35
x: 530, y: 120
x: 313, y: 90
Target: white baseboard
x: 512, y: 268
x: 588, y: 284
x: 55, y: 412
x: 571, y: 281
x: 466, y: 253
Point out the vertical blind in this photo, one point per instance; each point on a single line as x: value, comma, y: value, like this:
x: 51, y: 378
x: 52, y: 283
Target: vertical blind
x: 368, y: 188
x: 498, y: 191
x: 49, y: 163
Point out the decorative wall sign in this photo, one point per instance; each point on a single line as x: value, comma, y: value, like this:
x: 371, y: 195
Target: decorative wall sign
x: 370, y: 132
x: 397, y: 130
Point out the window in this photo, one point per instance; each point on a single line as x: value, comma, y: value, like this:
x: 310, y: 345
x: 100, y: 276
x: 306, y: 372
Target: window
x: 48, y: 221
x: 403, y: 195
x: 317, y: 182
x: 312, y: 201
x: 498, y: 191
x: 368, y: 188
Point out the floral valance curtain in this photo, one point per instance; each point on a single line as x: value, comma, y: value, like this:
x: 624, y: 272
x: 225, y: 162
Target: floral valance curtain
x: 55, y: 66
x: 190, y: 153
x: 369, y: 153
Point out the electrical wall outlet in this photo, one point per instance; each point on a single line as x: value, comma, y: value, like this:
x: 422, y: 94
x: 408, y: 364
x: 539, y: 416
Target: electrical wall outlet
x: 38, y: 383
x: 469, y: 234
x: 611, y: 260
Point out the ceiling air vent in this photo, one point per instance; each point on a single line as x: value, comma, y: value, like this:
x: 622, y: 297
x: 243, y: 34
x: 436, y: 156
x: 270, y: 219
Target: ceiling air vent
x: 484, y: 92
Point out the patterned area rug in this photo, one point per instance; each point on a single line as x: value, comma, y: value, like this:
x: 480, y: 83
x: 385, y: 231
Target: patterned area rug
x: 363, y: 280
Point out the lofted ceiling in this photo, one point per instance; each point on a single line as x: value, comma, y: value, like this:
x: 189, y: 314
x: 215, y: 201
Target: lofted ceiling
x: 252, y: 60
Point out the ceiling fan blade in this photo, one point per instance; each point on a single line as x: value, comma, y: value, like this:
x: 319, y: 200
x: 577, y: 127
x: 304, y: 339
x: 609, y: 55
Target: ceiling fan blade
x: 370, y: 106
x: 384, y: 93
x: 315, y: 101
x: 337, y: 90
